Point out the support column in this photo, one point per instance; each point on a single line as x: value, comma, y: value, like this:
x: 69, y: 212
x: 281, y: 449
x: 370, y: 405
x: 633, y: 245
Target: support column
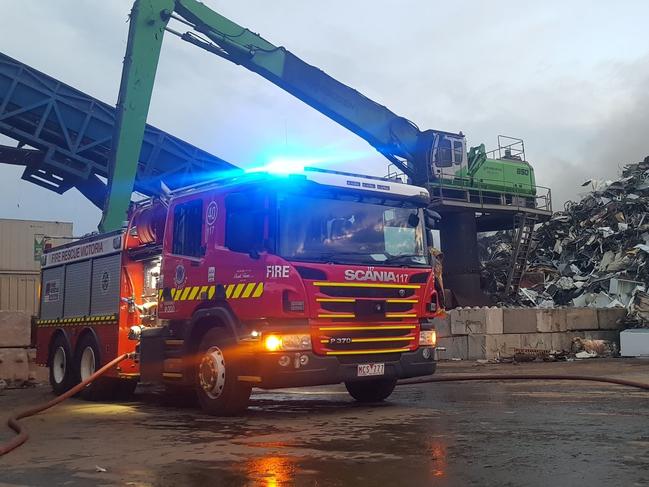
x: 459, y: 239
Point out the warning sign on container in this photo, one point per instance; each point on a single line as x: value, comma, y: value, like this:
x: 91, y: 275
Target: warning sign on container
x: 52, y: 291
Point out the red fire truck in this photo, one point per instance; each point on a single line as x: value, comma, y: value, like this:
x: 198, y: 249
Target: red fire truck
x: 256, y: 280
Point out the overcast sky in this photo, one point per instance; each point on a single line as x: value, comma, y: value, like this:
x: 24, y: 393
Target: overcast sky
x: 570, y: 78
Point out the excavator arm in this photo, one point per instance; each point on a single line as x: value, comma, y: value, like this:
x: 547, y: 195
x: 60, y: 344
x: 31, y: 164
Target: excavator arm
x: 417, y: 153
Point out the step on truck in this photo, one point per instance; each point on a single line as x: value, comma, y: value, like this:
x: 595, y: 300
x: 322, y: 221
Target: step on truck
x: 256, y: 280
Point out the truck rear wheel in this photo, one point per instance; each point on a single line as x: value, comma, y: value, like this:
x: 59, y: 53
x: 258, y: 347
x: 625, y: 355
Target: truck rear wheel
x: 374, y: 390
x: 88, y: 361
x: 61, y: 375
x: 218, y: 390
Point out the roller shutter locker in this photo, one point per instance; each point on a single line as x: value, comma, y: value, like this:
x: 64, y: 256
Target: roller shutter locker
x: 77, y: 289
x: 105, y: 285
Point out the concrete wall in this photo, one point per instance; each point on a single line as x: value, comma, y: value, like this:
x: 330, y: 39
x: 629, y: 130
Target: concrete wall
x: 490, y: 333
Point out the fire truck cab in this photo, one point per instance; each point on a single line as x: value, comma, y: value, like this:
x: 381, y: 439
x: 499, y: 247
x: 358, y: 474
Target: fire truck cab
x: 257, y: 280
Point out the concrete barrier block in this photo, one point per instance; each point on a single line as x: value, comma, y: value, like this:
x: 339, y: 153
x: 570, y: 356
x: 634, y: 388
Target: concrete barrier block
x: 581, y: 319
x: 537, y: 341
x: 443, y: 326
x: 607, y: 318
x: 456, y: 347
x: 15, y: 329
x: 14, y: 365
x: 550, y: 320
x: 519, y: 320
x: 469, y: 321
x: 35, y: 372
x: 493, y: 346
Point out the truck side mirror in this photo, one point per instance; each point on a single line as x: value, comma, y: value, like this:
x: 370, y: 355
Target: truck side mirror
x: 431, y: 217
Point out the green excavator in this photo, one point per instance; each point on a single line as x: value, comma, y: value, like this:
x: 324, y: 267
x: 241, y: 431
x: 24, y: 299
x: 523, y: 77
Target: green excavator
x: 424, y: 157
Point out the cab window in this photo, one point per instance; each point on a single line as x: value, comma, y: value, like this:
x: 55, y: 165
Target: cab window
x: 188, y: 226
x: 245, y: 222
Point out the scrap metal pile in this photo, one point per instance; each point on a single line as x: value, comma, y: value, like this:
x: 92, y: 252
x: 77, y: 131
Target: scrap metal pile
x: 594, y: 253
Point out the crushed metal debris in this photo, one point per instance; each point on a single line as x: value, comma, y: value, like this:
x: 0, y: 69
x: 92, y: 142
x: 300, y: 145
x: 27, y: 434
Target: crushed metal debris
x: 595, y: 253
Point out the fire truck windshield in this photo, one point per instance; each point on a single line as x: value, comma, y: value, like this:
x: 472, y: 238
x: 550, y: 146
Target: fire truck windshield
x: 318, y: 229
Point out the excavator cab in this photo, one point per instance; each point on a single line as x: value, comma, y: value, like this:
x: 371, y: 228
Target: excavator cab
x: 449, y: 154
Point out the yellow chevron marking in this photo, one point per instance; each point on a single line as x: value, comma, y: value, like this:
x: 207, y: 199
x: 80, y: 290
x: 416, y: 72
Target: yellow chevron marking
x: 194, y: 292
x: 203, y: 292
x: 174, y: 291
x: 237, y: 290
x: 228, y: 290
x: 210, y: 292
x: 185, y: 293
x: 259, y: 290
x: 248, y: 290
x: 159, y: 293
x: 358, y: 284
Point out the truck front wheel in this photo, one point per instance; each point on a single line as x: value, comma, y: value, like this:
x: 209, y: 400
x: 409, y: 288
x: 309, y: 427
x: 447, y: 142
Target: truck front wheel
x: 374, y: 390
x: 217, y: 386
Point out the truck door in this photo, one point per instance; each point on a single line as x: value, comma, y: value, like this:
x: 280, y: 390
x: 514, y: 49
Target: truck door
x: 246, y: 243
x: 184, y: 259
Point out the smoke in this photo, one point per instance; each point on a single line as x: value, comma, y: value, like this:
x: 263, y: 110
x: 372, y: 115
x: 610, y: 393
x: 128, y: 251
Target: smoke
x: 620, y: 137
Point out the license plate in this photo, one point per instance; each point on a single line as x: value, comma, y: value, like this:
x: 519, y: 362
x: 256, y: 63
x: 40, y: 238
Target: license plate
x: 365, y: 370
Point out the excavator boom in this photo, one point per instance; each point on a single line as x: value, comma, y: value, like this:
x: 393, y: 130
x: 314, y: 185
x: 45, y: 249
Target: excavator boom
x: 419, y: 154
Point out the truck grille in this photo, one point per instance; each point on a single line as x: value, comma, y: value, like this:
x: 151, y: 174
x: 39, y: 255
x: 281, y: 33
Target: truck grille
x: 366, y: 318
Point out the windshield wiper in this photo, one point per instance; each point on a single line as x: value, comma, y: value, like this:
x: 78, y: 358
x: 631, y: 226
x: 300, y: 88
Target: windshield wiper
x: 406, y: 258
x: 335, y: 257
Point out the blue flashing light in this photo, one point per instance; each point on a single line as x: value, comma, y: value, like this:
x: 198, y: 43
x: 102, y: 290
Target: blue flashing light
x: 282, y: 166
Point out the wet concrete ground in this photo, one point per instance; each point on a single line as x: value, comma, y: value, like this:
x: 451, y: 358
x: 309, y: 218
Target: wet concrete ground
x: 477, y: 433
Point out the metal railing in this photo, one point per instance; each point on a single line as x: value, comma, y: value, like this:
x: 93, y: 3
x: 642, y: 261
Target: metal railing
x: 482, y: 192
x: 485, y: 192
x: 508, y: 148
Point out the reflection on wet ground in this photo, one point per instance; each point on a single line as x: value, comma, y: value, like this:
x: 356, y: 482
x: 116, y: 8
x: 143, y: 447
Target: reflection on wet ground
x: 452, y: 434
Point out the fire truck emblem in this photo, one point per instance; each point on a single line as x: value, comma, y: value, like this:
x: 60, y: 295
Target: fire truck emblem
x: 180, y: 276
x: 212, y: 212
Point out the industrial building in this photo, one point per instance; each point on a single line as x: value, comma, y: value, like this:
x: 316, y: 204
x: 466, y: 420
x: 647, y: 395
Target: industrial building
x: 21, y: 246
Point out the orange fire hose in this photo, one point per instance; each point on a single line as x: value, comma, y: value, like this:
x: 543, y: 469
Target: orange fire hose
x: 22, y: 435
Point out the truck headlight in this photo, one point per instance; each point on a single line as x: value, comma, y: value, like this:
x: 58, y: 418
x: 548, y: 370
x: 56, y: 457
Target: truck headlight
x: 274, y: 343
x: 427, y: 338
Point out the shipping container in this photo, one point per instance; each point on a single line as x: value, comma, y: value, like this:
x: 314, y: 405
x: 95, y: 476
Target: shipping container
x: 19, y: 292
x: 22, y: 243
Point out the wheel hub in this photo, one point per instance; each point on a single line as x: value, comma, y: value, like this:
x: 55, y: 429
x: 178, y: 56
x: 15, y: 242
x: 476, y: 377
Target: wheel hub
x: 59, y: 362
x: 87, y: 365
x: 211, y: 372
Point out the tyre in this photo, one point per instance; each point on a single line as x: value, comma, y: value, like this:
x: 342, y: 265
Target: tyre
x: 217, y: 388
x: 374, y: 390
x: 60, y: 363
x: 88, y: 361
